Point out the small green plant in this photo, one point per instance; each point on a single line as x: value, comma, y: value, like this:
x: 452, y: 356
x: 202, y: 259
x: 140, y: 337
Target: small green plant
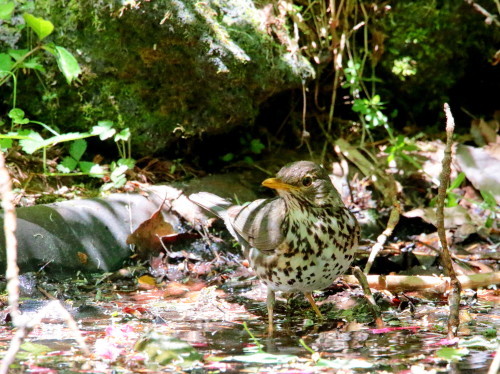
x: 370, y: 107
x: 400, y: 149
x: 452, y: 199
x: 251, y: 146
x: 73, y: 162
x: 117, y: 177
x: 489, y: 204
x: 29, y: 140
x: 14, y: 59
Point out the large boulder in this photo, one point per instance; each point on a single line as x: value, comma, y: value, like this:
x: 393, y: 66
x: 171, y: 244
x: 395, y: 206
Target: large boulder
x: 164, y: 68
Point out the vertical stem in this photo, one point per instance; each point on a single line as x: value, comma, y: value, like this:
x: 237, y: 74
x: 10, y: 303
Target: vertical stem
x: 44, y: 160
x: 9, y: 226
x: 444, y: 180
x: 377, y: 314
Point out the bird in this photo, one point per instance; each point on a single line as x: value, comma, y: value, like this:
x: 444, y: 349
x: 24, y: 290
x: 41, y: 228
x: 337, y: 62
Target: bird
x: 299, y: 241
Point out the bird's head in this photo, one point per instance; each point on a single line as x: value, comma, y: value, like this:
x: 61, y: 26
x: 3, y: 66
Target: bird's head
x: 304, y: 181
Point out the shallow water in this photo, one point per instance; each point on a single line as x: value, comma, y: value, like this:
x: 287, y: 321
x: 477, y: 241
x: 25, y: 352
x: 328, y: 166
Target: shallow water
x: 211, y: 321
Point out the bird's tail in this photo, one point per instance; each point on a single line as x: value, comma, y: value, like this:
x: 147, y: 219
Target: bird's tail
x: 213, y: 203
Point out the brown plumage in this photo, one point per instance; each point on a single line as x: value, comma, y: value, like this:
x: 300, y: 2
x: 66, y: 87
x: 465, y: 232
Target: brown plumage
x: 299, y: 241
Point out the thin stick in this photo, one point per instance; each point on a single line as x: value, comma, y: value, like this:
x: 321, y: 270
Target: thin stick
x: 12, y: 274
x: 398, y: 283
x: 490, y: 18
x: 14, y: 346
x: 382, y: 238
x: 495, y: 364
x: 444, y: 180
x: 9, y: 226
x: 361, y: 277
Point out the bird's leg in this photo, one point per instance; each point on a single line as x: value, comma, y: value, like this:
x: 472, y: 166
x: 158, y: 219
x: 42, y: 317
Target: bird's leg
x: 309, y: 298
x: 271, y: 299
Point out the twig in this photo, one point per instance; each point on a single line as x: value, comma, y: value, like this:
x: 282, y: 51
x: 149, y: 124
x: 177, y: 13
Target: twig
x: 14, y: 346
x: 444, y: 180
x: 361, y: 277
x: 9, y: 226
x: 24, y: 325
x: 490, y: 18
x: 397, y: 283
x: 495, y: 364
x: 382, y: 238
x: 12, y: 273
x: 71, y: 323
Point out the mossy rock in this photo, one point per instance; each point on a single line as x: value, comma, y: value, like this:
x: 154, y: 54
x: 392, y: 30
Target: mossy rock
x: 165, y: 69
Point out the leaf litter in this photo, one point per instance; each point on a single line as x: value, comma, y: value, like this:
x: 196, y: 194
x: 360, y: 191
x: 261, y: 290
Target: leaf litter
x: 182, y: 291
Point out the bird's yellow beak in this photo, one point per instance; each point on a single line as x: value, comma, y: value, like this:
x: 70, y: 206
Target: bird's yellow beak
x: 277, y: 184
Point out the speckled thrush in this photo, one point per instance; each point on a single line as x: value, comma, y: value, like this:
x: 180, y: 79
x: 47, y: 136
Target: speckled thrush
x: 299, y: 241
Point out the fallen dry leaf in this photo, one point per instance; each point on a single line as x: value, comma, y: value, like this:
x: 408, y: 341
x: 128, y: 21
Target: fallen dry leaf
x: 185, y: 290
x: 147, y: 279
x: 147, y: 236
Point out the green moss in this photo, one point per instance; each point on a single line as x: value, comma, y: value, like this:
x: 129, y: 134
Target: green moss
x: 162, y: 66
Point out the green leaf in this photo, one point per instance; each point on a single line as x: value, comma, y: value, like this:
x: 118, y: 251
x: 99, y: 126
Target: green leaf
x: 5, y: 144
x: 67, y: 165
x: 6, y: 10
x: 360, y: 106
x: 41, y: 27
x: 6, y: 63
x: 256, y: 146
x: 67, y: 64
x: 123, y: 135
x: 97, y: 171
x: 488, y: 198
x: 77, y: 149
x: 106, y: 186
x: 17, y: 116
x: 128, y: 162
x: 457, y: 181
x: 35, y: 348
x: 86, y: 166
x: 33, y: 143
x: 120, y: 181
x: 104, y: 129
x: 227, y: 157
x: 33, y: 64
x: 118, y: 172
x: 67, y: 137
x: 452, y: 200
x: 452, y: 354
x: 17, y: 54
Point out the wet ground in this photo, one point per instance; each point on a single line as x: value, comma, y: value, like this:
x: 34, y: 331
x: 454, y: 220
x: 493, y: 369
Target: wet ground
x: 196, y: 327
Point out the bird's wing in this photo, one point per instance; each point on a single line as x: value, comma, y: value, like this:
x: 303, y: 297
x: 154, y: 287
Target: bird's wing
x: 259, y: 223
x: 219, y: 207
x: 211, y: 202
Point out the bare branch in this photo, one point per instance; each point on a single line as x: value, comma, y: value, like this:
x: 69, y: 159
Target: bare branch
x: 361, y: 277
x: 399, y: 283
x: 9, y: 226
x: 444, y: 181
x: 382, y: 238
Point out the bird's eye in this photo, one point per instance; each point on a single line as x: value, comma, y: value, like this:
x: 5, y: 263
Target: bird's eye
x: 307, y: 181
